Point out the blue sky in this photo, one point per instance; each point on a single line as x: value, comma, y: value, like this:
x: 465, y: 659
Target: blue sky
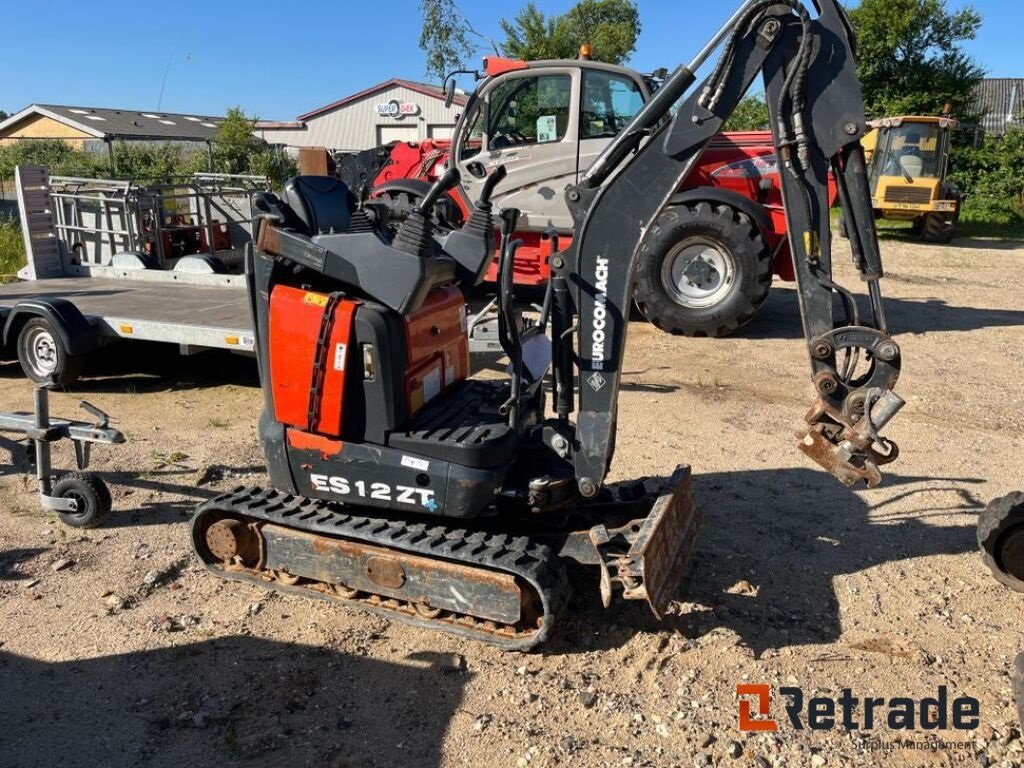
x: 279, y: 59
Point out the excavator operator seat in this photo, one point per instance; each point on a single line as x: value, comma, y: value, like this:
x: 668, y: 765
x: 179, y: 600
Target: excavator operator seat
x: 322, y: 205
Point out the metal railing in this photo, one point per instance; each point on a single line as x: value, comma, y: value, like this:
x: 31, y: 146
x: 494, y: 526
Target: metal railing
x: 98, y: 218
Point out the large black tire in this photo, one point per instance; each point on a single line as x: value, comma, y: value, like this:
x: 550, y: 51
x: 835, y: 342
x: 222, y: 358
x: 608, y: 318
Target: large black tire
x: 939, y: 227
x: 704, y: 270
x: 1001, y: 539
x: 43, y: 356
x: 92, y: 495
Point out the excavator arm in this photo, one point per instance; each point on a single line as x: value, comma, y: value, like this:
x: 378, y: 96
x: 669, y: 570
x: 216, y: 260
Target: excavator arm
x: 808, y: 65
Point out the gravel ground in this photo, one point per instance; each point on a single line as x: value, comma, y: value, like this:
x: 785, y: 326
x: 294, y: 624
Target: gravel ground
x: 129, y: 654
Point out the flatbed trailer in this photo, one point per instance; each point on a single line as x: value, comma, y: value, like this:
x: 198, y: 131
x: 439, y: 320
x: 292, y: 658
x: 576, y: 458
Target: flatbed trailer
x: 136, y: 308
x: 103, y: 266
x: 98, y: 271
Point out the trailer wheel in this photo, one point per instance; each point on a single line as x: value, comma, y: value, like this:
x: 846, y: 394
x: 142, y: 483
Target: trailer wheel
x: 704, y: 270
x: 43, y: 356
x: 1001, y: 539
x: 90, y: 493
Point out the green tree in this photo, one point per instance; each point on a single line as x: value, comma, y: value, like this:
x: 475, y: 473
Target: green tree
x: 444, y: 37
x: 238, y: 150
x: 990, y: 173
x: 611, y: 27
x: 58, y: 156
x: 3, y: 115
x: 910, y: 57
x: 236, y: 142
x: 153, y: 162
x: 751, y: 114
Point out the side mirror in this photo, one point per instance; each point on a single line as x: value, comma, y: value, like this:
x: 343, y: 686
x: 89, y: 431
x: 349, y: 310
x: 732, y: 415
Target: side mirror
x: 449, y: 92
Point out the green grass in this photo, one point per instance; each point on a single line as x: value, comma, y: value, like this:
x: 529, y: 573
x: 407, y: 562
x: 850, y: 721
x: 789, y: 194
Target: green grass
x: 972, y: 225
x: 975, y: 225
x: 12, y: 247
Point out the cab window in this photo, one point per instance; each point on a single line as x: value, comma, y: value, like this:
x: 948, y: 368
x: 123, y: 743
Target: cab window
x: 529, y: 110
x: 609, y: 102
x: 914, y: 150
x: 474, y: 136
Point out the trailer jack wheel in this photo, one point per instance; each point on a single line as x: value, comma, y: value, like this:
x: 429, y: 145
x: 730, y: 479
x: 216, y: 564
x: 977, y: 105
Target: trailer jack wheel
x: 91, y: 497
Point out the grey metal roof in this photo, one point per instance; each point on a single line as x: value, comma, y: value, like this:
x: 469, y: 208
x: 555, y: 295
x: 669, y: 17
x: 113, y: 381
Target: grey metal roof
x: 1001, y: 101
x: 124, y: 123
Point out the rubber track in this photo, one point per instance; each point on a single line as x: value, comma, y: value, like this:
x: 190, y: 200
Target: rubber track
x: 533, y: 563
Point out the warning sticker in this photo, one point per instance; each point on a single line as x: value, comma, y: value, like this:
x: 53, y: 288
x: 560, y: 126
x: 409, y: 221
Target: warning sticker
x: 413, y: 463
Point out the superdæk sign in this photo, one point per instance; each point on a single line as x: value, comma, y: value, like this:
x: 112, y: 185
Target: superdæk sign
x: 398, y: 109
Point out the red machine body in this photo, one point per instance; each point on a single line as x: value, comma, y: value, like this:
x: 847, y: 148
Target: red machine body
x: 743, y: 162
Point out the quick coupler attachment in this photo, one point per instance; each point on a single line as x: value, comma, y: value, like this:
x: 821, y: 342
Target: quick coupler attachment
x: 852, y: 451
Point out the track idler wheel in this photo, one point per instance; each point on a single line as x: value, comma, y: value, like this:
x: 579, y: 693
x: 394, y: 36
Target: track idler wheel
x: 233, y: 541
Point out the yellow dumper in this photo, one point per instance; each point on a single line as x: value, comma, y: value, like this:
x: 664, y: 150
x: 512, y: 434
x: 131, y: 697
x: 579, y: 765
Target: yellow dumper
x: 908, y: 167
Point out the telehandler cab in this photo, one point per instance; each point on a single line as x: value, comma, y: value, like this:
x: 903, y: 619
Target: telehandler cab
x: 402, y: 485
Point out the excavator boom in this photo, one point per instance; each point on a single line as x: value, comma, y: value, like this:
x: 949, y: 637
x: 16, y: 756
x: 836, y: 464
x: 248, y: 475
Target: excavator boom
x: 817, y: 113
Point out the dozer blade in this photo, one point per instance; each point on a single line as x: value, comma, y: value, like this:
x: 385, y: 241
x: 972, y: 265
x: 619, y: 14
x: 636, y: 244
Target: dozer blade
x: 660, y: 553
x: 648, y: 556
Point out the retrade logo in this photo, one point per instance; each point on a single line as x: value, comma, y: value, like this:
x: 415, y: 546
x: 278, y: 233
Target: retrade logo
x: 853, y: 713
x: 763, y: 695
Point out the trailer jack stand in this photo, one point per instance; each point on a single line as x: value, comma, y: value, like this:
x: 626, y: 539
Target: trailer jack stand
x: 80, y: 499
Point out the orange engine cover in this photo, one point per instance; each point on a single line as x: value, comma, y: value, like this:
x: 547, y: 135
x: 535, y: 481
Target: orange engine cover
x: 296, y: 323
x: 438, y: 346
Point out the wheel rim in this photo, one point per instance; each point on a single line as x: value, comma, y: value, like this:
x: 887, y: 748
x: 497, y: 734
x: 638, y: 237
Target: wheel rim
x: 40, y: 352
x: 81, y: 502
x: 698, y: 272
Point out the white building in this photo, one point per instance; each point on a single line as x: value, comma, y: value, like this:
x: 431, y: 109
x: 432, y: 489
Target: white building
x: 395, y: 110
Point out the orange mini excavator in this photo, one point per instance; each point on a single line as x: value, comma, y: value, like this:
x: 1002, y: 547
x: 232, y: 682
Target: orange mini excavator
x: 401, y: 484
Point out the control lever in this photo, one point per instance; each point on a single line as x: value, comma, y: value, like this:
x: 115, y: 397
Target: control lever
x: 450, y: 178
x: 416, y: 235
x: 492, y: 181
x: 472, y: 247
x: 508, y: 330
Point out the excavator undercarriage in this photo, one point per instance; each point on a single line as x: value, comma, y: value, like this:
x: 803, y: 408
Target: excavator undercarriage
x: 504, y: 584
